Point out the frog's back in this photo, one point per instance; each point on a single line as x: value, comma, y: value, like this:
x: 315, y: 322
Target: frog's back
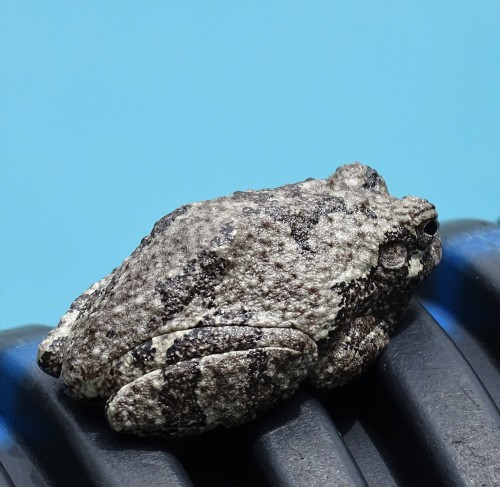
x: 166, y: 282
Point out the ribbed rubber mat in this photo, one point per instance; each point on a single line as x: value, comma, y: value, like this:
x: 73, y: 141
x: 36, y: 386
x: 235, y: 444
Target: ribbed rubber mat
x: 427, y: 413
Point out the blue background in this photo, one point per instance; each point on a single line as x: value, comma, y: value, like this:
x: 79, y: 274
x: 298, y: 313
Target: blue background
x: 115, y: 113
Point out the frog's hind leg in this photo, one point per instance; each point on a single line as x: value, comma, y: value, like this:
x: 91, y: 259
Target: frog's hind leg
x: 216, y: 389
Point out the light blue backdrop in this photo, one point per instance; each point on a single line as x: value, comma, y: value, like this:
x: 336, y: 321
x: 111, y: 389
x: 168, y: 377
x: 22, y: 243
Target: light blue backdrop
x: 115, y: 113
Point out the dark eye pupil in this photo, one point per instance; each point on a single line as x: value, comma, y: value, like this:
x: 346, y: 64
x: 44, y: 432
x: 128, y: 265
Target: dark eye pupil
x: 431, y: 227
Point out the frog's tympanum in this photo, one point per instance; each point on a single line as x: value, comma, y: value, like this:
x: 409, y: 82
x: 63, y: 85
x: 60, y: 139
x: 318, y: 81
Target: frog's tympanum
x: 228, y: 305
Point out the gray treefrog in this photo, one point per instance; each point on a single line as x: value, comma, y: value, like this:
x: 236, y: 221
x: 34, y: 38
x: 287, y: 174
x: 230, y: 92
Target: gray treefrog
x: 228, y: 305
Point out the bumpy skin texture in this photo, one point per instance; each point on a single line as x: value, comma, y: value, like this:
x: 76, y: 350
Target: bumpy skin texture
x: 229, y: 304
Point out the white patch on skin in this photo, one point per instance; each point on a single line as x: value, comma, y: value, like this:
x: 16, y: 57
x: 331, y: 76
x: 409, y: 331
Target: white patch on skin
x: 415, y: 265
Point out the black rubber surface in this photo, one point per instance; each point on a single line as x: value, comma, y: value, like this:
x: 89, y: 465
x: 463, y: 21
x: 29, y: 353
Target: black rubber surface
x: 426, y: 414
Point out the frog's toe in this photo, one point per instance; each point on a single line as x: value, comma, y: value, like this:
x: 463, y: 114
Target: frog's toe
x: 201, y: 394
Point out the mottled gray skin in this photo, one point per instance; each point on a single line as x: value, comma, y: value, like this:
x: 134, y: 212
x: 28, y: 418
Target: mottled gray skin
x: 229, y: 304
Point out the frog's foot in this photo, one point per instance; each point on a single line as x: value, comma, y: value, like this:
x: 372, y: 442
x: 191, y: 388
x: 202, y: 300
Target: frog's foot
x: 214, y: 390
x: 349, y: 350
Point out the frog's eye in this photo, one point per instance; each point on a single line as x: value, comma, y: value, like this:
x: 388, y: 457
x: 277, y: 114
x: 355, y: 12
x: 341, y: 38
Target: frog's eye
x: 430, y: 227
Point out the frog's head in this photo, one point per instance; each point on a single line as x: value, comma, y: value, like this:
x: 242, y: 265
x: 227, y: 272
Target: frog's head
x: 399, y: 236
x: 409, y: 251
x: 411, y: 248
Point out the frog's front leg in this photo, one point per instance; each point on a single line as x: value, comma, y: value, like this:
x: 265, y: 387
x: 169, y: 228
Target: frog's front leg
x: 220, y: 377
x: 349, y: 350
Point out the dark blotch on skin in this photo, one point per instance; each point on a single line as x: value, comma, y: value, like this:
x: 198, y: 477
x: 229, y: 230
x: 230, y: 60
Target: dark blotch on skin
x: 258, y: 381
x: 365, y: 211
x: 220, y: 317
x: 354, y: 297
x: 178, y: 395
x: 375, y: 294
x: 201, y: 342
x: 142, y: 354
x: 302, y: 223
x: 199, y: 278
x: 226, y: 235
x: 372, y: 179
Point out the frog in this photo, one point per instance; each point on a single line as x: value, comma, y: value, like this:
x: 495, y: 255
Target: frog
x: 229, y: 305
